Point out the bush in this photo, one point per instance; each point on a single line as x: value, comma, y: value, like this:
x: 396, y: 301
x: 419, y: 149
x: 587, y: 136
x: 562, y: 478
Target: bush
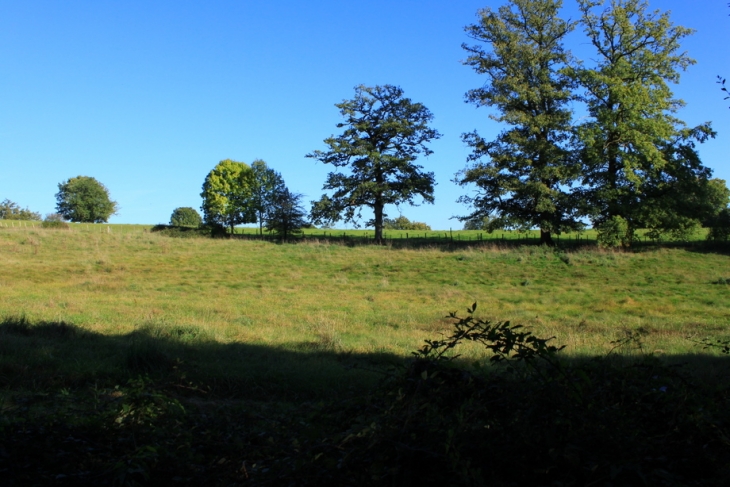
x: 11, y: 211
x: 185, y: 217
x: 478, y: 223
x: 615, y: 232
x: 720, y: 227
x: 286, y: 217
x: 54, y: 220
x: 403, y: 223
x: 189, y: 232
x: 531, y: 418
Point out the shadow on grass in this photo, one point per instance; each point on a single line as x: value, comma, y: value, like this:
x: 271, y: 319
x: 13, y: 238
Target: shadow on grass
x: 447, y: 242
x: 168, y: 405
x: 56, y: 355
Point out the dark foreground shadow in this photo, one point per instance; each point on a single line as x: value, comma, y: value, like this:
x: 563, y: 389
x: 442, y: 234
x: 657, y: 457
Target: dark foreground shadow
x: 60, y: 355
x: 168, y: 405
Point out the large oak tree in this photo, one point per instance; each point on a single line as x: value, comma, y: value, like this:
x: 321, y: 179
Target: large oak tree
x: 384, y: 133
x: 640, y: 164
x: 524, y: 173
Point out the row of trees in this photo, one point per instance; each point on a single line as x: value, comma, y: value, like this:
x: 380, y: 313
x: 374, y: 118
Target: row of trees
x: 235, y: 193
x: 625, y: 163
x: 12, y: 211
x: 628, y: 163
x: 596, y: 141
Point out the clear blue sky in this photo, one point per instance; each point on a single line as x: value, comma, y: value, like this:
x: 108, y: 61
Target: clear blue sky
x: 147, y: 96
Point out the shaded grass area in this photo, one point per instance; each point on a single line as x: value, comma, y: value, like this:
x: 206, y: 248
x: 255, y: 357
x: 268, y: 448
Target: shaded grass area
x: 170, y: 405
x: 47, y: 356
x: 161, y: 404
x: 135, y: 358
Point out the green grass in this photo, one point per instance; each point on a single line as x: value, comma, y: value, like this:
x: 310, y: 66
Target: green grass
x: 364, y: 300
x: 280, y: 335
x: 368, y: 298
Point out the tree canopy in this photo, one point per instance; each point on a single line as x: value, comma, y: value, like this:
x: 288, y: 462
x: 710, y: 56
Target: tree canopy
x: 628, y: 163
x: 267, y: 186
x: 185, y: 217
x: 285, y: 217
x: 12, y: 211
x: 403, y: 223
x: 523, y: 174
x: 84, y: 199
x: 632, y: 147
x: 227, y: 194
x: 384, y: 133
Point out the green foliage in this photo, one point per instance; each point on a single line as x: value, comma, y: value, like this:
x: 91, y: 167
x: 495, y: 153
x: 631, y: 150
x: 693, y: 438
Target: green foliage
x: 639, y: 160
x: 267, y: 185
x: 479, y: 223
x: 614, y: 232
x: 384, y: 134
x: 84, y: 199
x: 720, y: 227
x: 190, y: 232
x: 11, y: 211
x: 529, y: 165
x: 532, y: 418
x: 227, y: 194
x: 185, y: 217
x: 54, y: 220
x: 630, y: 158
x: 403, y: 223
x: 286, y: 217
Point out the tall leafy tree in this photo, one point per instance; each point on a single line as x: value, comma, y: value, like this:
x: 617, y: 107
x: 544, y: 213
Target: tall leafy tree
x: 286, y: 216
x: 227, y: 194
x: 84, y: 199
x: 522, y: 175
x: 267, y: 184
x: 634, y: 149
x: 384, y: 134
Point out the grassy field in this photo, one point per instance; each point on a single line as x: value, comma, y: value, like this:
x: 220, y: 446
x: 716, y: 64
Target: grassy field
x: 239, y: 319
x: 113, y: 279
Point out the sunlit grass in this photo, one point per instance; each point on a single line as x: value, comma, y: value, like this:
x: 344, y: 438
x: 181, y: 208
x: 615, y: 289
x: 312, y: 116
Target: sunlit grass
x: 355, y: 299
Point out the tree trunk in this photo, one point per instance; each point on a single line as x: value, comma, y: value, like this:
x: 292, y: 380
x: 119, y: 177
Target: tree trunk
x: 378, y: 210
x: 546, y: 238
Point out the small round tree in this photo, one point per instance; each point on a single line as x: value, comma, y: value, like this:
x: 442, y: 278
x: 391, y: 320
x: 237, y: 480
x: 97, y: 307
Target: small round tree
x: 84, y: 199
x: 186, y: 217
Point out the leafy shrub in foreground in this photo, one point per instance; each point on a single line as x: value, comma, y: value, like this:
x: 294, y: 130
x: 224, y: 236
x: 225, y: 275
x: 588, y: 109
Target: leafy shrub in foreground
x: 531, y: 418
